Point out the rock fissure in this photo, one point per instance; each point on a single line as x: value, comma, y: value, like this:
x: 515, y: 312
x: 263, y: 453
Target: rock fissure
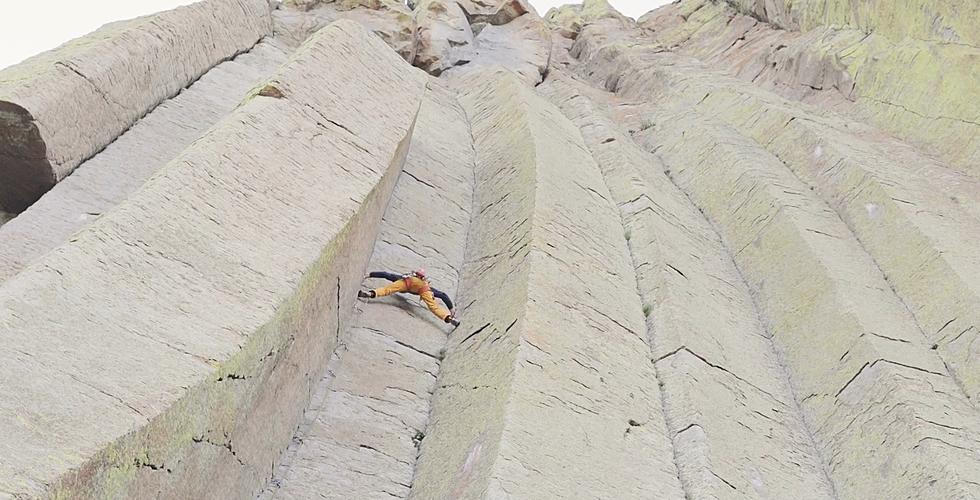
x: 793, y: 187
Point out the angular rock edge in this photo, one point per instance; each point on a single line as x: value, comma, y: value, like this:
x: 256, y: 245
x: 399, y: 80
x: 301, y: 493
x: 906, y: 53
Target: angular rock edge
x: 544, y: 349
x: 61, y: 107
x: 189, y: 380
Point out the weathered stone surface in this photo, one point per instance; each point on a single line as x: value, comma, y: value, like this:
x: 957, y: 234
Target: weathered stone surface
x: 109, y: 177
x: 911, y: 220
x: 495, y: 12
x: 303, y: 5
x: 391, y: 21
x: 523, y: 46
x: 724, y: 383
x: 873, y: 387
x: 61, y: 107
x: 734, y: 257
x: 879, y: 374
x: 916, y: 222
x: 443, y: 37
x: 362, y: 432
x: 443, y: 33
x: 924, y: 91
x: 949, y: 21
x: 548, y: 391
x: 169, y: 348
x: 570, y: 19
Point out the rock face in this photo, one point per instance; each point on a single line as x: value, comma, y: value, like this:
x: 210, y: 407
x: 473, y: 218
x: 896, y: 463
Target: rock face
x: 441, y: 28
x: 390, y: 20
x: 541, y: 392
x: 113, y: 174
x: 569, y: 19
x: 495, y: 12
x: 204, y: 347
x: 61, y: 107
x: 441, y: 36
x: 371, y: 408
x: 727, y: 385
x: 726, y: 250
x: 910, y: 72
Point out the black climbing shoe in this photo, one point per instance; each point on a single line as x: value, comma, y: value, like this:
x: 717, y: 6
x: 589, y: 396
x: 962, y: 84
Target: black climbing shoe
x: 366, y: 295
x: 452, y: 320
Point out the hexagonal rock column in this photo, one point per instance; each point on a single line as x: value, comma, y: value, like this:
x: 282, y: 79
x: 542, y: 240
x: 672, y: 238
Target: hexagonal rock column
x: 61, y: 107
x: 883, y: 404
x: 360, y: 434
x: 113, y: 174
x: 548, y: 390
x: 168, y: 350
x: 731, y: 412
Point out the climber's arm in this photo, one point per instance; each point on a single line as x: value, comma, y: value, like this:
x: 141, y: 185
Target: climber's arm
x: 439, y: 294
x: 387, y: 276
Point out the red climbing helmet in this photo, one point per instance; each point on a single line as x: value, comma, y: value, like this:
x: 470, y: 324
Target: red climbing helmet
x: 420, y: 273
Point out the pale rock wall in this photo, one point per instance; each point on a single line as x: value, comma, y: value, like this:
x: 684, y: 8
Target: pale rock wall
x: 915, y: 216
x: 922, y: 90
x: 569, y: 19
x: 495, y: 12
x: 441, y: 36
x: 548, y: 391
x: 523, y: 46
x: 845, y: 237
x: 808, y: 280
x: 947, y: 21
x: 390, y: 20
x: 882, y: 402
x: 169, y: 348
x: 110, y: 176
x: 724, y: 383
x: 361, y: 434
x: 442, y: 28
x: 63, y: 106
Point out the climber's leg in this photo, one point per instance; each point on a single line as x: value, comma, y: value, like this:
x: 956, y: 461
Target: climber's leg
x: 430, y: 302
x: 439, y: 311
x: 393, y: 288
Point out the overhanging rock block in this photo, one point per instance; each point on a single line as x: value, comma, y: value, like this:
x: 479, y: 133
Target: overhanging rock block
x: 547, y: 391
x: 523, y: 46
x: 162, y: 352
x: 59, y: 108
x: 441, y: 33
x: 495, y: 12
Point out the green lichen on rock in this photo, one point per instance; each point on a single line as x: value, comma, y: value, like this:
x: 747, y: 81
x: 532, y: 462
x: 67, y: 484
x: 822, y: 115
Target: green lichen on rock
x: 569, y: 19
x: 951, y: 21
x: 908, y: 82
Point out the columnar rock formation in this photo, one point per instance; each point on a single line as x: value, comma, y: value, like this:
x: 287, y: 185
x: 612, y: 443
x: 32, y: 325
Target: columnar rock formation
x: 59, y: 108
x: 163, y: 347
x: 551, y: 385
x: 726, y: 250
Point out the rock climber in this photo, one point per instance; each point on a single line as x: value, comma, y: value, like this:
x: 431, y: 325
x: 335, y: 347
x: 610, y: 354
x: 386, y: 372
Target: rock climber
x: 417, y: 284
